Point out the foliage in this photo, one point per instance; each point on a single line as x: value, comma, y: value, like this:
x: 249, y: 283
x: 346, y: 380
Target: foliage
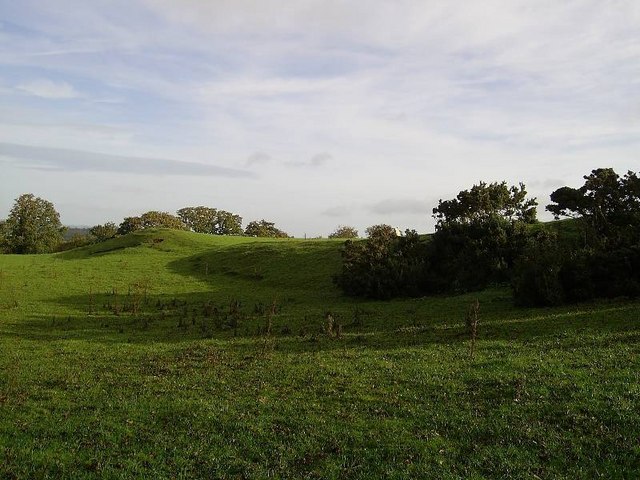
x: 479, y: 235
x: 210, y: 220
x: 75, y: 241
x: 262, y: 228
x: 104, y: 232
x: 536, y: 279
x: 33, y: 226
x: 228, y: 223
x: 381, y: 231
x: 4, y: 247
x: 606, y: 263
x: 384, y: 265
x: 344, y: 231
x: 589, y: 274
x: 151, y: 219
x: 485, y: 201
x: 609, y: 205
x: 469, y: 256
x: 130, y: 225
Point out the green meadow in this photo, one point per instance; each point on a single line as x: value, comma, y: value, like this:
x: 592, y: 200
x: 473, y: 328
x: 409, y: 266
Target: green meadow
x: 167, y: 354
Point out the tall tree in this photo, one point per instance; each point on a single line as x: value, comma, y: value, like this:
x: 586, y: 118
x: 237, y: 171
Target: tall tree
x: 33, y: 226
x: 479, y: 234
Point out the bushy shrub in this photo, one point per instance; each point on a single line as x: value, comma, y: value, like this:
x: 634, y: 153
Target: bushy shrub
x: 469, y: 256
x: 383, y: 266
x: 548, y: 275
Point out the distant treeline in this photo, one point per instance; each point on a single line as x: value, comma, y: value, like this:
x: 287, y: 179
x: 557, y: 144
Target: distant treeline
x: 490, y: 235
x: 33, y: 226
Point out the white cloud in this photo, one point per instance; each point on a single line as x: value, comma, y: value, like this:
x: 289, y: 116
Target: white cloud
x: 49, y: 89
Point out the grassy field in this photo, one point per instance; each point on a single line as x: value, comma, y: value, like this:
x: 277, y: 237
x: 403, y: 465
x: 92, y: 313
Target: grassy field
x: 176, y: 355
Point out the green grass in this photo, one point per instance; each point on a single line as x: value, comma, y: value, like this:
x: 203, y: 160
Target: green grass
x: 176, y: 390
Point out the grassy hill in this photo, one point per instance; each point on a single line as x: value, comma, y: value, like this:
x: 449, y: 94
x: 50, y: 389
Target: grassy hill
x: 156, y: 355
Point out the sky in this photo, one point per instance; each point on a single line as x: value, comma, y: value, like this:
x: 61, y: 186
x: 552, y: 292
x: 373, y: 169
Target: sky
x: 310, y: 114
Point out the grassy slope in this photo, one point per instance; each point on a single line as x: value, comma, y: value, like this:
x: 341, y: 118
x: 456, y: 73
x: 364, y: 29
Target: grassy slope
x: 173, y: 391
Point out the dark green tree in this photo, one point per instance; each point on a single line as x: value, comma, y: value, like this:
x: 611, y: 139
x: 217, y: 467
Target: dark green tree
x: 130, y: 225
x: 607, y: 205
x: 199, y: 219
x: 479, y: 235
x: 104, y: 232
x: 210, y: 220
x: 262, y: 228
x: 384, y: 265
x: 484, y: 201
x: 228, y: 223
x: 151, y: 219
x: 33, y: 226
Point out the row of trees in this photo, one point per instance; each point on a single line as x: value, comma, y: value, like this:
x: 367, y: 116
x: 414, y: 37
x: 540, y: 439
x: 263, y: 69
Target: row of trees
x: 201, y: 220
x: 490, y: 234
x: 33, y: 226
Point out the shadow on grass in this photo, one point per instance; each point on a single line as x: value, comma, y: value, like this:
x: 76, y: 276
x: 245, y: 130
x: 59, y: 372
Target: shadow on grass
x: 267, y: 266
x: 242, y: 326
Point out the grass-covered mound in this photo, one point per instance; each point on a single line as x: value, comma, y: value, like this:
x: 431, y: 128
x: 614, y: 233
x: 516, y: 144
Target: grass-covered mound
x: 168, y: 354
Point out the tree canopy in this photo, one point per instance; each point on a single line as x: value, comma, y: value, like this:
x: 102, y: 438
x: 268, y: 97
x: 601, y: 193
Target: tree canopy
x: 608, y: 203
x: 33, y: 226
x: 344, y: 231
x: 210, y: 220
x: 487, y: 200
x: 262, y: 228
x: 104, y: 232
x: 151, y: 219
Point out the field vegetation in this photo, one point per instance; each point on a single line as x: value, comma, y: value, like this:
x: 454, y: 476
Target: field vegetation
x: 172, y: 354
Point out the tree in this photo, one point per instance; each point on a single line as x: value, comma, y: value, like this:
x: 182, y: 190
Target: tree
x: 228, y: 223
x: 33, y: 226
x: 210, y: 220
x: 384, y: 265
x: 156, y: 219
x: 607, y: 204
x: 479, y: 235
x: 381, y: 231
x: 344, y: 231
x: 199, y: 219
x: 130, y: 225
x: 104, y: 232
x: 483, y: 201
x: 151, y: 219
x: 262, y: 228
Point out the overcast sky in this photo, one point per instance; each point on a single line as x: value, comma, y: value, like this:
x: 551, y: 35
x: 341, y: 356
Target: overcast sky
x: 310, y: 113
